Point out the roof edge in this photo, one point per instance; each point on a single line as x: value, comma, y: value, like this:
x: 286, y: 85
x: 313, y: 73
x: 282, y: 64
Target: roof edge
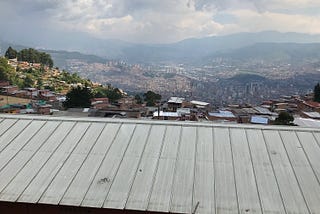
x: 158, y: 122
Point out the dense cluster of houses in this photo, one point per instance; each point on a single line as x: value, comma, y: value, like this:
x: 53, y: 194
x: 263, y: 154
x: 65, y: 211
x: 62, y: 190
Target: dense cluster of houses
x: 179, y: 109
x: 23, y: 64
x: 42, y: 101
x: 175, y: 108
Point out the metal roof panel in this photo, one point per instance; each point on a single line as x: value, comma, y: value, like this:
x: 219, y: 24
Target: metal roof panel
x: 161, y: 166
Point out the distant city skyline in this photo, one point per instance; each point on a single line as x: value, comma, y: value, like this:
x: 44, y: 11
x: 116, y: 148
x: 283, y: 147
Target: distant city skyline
x: 153, y: 21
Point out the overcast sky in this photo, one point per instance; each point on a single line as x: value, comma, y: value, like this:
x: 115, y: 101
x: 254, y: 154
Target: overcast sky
x: 155, y: 21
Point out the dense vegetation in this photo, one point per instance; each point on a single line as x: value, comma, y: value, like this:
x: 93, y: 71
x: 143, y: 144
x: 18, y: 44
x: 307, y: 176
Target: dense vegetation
x: 11, y: 53
x: 112, y: 93
x: 30, y: 55
x: 52, y: 79
x: 8, y: 73
x: 43, y: 78
x: 284, y: 118
x: 39, y: 77
x: 151, y: 98
x: 78, y: 97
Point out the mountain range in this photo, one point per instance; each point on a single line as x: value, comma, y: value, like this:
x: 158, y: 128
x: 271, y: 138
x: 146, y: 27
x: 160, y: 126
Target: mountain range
x: 268, y: 45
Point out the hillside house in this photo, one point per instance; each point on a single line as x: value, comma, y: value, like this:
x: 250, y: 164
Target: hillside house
x: 100, y: 103
x: 10, y: 89
x: 174, y: 103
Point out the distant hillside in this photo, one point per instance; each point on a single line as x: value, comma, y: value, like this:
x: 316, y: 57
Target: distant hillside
x: 186, y: 51
x: 273, y: 52
x: 61, y: 58
x: 192, y: 50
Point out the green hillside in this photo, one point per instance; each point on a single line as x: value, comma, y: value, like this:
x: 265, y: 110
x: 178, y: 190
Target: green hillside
x: 39, y: 75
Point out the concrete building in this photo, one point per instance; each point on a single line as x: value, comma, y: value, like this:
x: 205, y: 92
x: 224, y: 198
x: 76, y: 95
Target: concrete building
x: 174, y: 103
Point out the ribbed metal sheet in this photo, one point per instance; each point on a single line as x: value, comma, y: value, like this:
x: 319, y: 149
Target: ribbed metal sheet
x: 159, y: 166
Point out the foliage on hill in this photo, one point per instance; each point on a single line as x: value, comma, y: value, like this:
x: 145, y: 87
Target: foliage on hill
x: 112, y: 93
x: 11, y: 53
x: 151, y: 98
x: 30, y: 55
x: 39, y: 77
x: 78, y: 97
x: 6, y: 71
x: 73, y: 78
x: 53, y: 79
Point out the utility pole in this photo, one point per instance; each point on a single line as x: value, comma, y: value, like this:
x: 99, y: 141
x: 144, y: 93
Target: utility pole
x: 158, y: 110
x: 7, y: 97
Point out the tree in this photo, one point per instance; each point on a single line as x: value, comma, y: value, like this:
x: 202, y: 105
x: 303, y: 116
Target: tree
x: 3, y: 73
x: 151, y: 98
x: 284, y: 118
x: 11, y: 53
x: 6, y: 71
x: 316, y: 92
x: 138, y: 98
x: 39, y: 83
x: 78, y: 97
x: 113, y: 94
x: 33, y: 56
x: 29, y: 81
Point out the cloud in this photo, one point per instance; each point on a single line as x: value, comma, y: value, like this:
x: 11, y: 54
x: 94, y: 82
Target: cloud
x: 299, y: 6
x: 138, y: 20
x: 158, y: 21
x: 251, y: 21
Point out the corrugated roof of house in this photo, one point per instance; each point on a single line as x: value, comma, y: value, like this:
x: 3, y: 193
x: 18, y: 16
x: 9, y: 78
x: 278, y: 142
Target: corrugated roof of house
x: 175, y: 167
x: 200, y: 103
x: 315, y: 115
x: 307, y: 122
x: 177, y: 100
x: 222, y: 114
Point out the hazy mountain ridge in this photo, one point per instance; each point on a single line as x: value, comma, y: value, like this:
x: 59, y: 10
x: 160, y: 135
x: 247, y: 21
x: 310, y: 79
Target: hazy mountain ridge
x: 192, y: 50
x: 269, y: 45
x: 62, y: 58
x: 273, y: 52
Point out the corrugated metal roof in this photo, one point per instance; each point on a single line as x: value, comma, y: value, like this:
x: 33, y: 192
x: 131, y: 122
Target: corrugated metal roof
x: 225, y: 114
x: 307, y: 122
x: 315, y: 115
x: 159, y: 166
x: 262, y: 110
x: 178, y: 100
x: 200, y: 103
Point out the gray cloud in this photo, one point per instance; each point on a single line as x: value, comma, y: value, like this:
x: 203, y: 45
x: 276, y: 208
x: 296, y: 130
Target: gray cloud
x: 154, y: 20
